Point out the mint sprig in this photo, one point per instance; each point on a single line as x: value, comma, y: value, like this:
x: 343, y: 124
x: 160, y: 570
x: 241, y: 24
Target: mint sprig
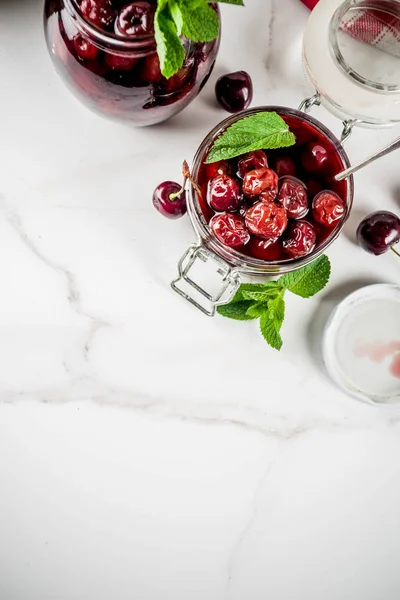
x: 266, y: 301
x: 195, y: 20
x: 169, y: 47
x: 261, y: 131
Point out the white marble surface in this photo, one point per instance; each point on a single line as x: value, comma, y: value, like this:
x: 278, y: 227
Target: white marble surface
x: 147, y: 452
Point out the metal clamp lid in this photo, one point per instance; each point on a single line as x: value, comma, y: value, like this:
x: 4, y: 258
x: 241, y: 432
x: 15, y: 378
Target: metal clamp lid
x: 226, y: 284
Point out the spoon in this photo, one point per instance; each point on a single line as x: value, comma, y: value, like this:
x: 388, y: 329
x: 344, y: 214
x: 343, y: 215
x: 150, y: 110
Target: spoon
x: 395, y: 145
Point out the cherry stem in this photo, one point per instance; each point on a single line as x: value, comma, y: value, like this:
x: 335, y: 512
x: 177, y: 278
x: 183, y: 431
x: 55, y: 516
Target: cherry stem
x: 173, y: 197
x: 187, y: 177
x: 395, y: 251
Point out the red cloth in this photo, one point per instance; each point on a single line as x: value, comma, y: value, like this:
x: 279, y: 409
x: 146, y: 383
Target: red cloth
x: 310, y: 3
x: 372, y: 27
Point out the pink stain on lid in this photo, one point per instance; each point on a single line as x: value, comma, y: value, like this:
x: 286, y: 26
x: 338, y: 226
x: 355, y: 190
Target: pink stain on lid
x: 395, y: 366
x: 377, y: 351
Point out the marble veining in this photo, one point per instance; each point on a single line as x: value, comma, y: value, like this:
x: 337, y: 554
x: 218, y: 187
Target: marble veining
x: 146, y: 451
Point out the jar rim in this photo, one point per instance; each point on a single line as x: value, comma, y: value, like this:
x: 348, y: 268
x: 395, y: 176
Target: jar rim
x: 106, y: 38
x: 242, y: 262
x: 386, y: 7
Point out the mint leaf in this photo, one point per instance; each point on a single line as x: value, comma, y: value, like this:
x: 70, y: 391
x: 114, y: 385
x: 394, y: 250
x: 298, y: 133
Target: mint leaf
x: 237, y: 310
x: 169, y: 47
x: 269, y: 332
x: 264, y: 130
x: 256, y: 310
x: 247, y: 287
x: 195, y: 20
x: 238, y: 2
x: 271, y: 322
x: 276, y: 308
x: 268, y: 292
x: 309, y: 280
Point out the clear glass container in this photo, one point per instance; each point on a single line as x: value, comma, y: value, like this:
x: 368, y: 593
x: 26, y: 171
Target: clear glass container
x: 232, y: 264
x: 351, y: 56
x: 119, y: 77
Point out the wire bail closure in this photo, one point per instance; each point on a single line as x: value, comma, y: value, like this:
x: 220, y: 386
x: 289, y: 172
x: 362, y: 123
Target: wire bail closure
x: 195, y: 293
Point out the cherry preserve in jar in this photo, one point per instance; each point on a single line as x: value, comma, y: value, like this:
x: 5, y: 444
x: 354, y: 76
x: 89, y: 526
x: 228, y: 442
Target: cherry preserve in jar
x: 113, y: 68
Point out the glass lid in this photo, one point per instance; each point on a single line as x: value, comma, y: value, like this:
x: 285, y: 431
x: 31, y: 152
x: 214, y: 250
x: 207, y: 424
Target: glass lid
x: 361, y: 344
x: 352, y: 56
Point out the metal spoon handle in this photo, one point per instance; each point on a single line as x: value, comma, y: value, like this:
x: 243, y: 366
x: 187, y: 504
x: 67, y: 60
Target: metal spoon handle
x: 395, y: 145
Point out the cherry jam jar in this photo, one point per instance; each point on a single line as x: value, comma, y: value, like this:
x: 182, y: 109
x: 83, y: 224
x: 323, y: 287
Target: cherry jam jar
x: 254, y: 258
x: 118, y: 76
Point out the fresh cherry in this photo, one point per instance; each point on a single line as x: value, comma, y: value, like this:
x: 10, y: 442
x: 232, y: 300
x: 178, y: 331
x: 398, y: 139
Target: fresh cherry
x: 261, y: 182
x: 300, y: 239
x: 379, y: 232
x: 119, y: 62
x: 136, y: 19
x: 266, y: 220
x: 234, y: 91
x: 251, y: 161
x: 264, y: 249
x: 221, y: 167
x: 284, y: 166
x: 99, y: 12
x: 328, y: 208
x: 170, y: 199
x: 294, y: 197
x: 84, y: 48
x: 223, y: 193
x: 230, y: 230
x: 315, y: 158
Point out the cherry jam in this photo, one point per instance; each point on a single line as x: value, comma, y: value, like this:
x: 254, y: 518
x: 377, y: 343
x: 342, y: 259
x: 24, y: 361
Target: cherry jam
x: 283, y: 223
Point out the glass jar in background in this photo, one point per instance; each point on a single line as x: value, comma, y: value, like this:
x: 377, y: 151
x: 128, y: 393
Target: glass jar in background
x: 119, y: 77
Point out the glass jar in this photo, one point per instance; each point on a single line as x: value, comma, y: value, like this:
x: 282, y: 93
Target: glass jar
x: 119, y: 77
x: 231, y: 264
x: 351, y: 54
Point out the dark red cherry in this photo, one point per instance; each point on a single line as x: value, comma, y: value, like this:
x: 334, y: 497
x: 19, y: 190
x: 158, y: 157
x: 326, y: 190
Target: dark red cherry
x: 261, y: 182
x: 223, y: 193
x: 169, y: 201
x: 300, y: 239
x: 293, y: 196
x: 135, y: 19
x: 264, y: 249
x: 230, y: 230
x: 221, y: 167
x: 285, y: 167
x: 99, y: 12
x: 120, y: 62
x: 266, y: 220
x: 315, y: 158
x: 84, y: 48
x: 379, y: 232
x: 234, y: 91
x: 251, y: 161
x: 328, y: 208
